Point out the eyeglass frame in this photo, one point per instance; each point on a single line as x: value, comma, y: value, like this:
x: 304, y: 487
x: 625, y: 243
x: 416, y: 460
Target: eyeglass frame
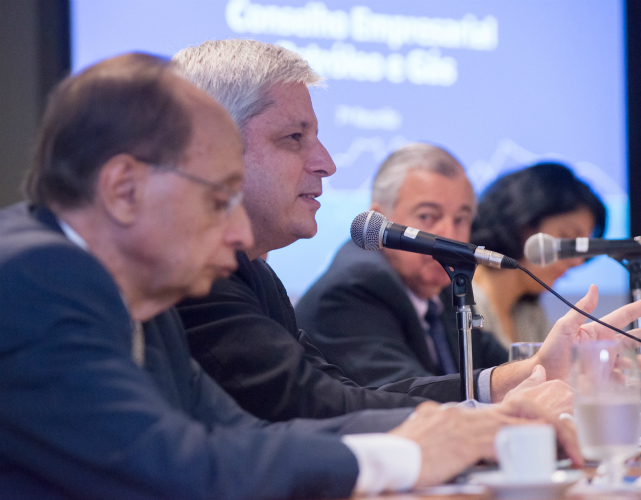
x: 235, y: 198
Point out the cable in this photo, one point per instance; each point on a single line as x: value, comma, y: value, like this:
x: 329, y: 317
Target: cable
x: 576, y: 308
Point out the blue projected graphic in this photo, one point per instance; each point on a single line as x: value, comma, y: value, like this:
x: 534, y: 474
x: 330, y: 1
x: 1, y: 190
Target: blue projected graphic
x: 501, y: 84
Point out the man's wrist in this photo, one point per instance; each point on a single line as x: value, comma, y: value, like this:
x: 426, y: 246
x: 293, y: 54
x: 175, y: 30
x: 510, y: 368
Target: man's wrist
x: 507, y: 376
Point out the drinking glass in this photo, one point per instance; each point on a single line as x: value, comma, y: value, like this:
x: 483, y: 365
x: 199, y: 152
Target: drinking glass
x: 607, y: 405
x: 523, y: 350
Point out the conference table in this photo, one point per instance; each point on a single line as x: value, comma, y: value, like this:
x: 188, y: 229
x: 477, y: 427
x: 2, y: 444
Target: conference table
x: 488, y: 496
x: 458, y: 492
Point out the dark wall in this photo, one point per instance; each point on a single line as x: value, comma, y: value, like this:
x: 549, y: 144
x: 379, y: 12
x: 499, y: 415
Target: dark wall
x: 34, y: 55
x: 633, y: 65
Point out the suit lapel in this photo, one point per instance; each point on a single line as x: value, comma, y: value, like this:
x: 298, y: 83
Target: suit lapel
x: 396, y: 298
x: 415, y: 335
x: 46, y: 216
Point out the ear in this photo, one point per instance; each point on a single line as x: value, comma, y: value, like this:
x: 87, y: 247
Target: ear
x: 120, y: 187
x: 377, y: 207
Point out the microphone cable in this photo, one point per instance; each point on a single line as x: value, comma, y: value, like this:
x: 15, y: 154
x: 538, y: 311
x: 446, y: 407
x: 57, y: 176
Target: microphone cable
x: 567, y: 302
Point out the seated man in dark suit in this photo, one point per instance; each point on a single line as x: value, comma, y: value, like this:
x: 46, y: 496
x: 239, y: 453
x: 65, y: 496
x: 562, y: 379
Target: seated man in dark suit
x: 134, y: 205
x: 244, y: 333
x: 379, y: 315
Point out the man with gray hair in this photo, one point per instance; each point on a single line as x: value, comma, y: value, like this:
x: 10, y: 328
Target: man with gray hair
x: 386, y: 316
x: 244, y: 332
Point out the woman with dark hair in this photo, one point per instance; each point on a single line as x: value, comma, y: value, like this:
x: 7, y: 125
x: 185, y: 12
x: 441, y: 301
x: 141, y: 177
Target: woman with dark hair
x: 544, y: 198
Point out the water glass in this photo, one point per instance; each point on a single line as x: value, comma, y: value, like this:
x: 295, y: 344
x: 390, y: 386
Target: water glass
x: 607, y: 405
x: 523, y: 350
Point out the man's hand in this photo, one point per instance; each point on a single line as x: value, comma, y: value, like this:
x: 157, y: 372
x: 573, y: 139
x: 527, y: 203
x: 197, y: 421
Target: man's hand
x: 555, y: 354
x: 555, y: 396
x: 535, y: 398
x: 453, y: 438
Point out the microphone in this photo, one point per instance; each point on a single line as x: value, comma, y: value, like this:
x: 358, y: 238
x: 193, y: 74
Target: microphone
x: 371, y: 231
x: 542, y: 249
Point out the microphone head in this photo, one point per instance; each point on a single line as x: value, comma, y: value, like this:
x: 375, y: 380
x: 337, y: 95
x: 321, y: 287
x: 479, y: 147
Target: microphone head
x: 541, y: 249
x: 366, y: 228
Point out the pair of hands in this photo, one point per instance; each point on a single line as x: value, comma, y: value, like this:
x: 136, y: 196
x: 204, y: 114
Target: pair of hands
x: 555, y: 354
x: 453, y: 438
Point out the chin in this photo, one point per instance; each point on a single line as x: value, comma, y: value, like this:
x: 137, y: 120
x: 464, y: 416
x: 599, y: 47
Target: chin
x: 304, y: 232
x: 429, y: 291
x: 201, y: 288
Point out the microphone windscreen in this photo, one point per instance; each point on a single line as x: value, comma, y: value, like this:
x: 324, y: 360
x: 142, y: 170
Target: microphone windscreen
x: 366, y: 228
x: 540, y: 249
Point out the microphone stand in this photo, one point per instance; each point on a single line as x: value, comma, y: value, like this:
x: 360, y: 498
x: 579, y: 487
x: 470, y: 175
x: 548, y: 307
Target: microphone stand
x: 461, y: 275
x: 634, y: 268
x: 633, y: 265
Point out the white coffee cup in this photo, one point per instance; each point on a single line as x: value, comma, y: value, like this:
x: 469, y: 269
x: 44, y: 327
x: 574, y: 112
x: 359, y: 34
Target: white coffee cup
x: 526, y: 453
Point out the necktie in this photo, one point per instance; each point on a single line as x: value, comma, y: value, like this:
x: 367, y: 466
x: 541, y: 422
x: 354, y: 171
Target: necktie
x: 138, y: 343
x: 436, y: 333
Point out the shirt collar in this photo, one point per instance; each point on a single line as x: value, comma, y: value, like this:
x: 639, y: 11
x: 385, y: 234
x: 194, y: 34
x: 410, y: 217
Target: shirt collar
x: 421, y: 305
x: 138, y: 338
x: 73, y: 236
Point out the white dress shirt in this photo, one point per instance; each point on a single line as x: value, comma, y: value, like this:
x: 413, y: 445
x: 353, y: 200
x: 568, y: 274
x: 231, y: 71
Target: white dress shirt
x: 137, y: 331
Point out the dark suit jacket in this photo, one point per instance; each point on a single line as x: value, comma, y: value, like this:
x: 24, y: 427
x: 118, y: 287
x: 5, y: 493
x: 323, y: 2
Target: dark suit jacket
x: 359, y: 316
x: 79, y: 419
x: 244, y: 334
x: 189, y: 389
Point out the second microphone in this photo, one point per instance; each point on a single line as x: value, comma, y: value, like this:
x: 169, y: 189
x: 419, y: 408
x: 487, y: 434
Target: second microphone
x: 371, y: 231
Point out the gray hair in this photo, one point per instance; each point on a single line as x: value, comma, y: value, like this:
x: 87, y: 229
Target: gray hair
x: 414, y: 156
x: 240, y: 73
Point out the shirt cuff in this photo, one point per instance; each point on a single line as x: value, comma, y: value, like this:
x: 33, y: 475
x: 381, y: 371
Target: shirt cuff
x: 468, y: 403
x: 385, y: 462
x: 484, y: 393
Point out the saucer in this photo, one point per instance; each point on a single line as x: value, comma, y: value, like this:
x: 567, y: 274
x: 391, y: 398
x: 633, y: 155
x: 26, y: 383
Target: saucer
x: 502, y: 488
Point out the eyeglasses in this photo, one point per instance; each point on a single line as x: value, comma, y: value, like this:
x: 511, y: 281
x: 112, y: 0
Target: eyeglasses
x: 227, y: 205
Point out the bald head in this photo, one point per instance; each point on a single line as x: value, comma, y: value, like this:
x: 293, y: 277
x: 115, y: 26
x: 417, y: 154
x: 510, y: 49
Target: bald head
x: 146, y: 169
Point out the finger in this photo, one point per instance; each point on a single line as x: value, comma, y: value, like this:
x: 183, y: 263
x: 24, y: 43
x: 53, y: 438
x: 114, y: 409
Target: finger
x: 518, y: 408
x: 537, y: 378
x: 627, y: 342
x: 427, y: 408
x: 587, y: 304
x: 624, y: 315
x: 623, y: 362
x: 635, y: 332
x: 566, y: 435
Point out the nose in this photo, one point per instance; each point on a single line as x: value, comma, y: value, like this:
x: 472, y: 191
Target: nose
x: 320, y: 162
x: 446, y: 228
x: 238, y: 233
